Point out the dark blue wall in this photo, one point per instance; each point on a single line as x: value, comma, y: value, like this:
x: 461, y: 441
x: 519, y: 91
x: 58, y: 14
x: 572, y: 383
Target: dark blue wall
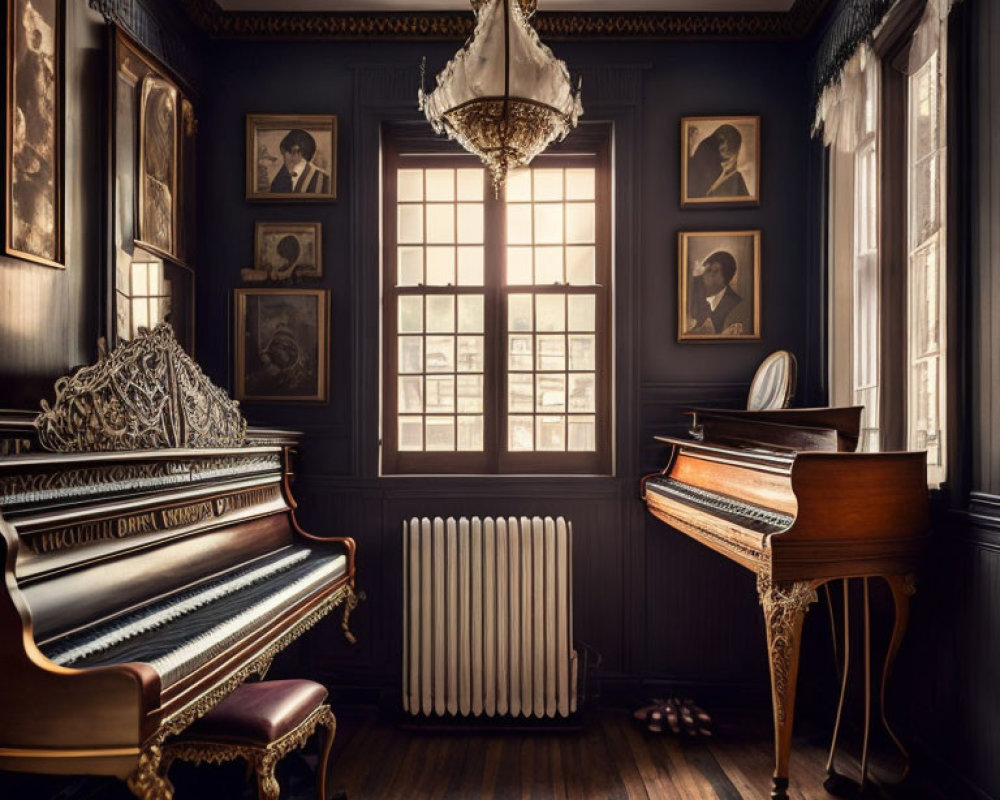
x: 641, y: 589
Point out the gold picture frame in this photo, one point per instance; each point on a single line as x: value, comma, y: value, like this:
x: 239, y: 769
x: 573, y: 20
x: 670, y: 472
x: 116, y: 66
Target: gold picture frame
x: 282, y: 345
x: 158, y: 156
x: 719, y: 289
x: 720, y: 160
x: 291, y: 157
x: 33, y: 148
x: 286, y: 251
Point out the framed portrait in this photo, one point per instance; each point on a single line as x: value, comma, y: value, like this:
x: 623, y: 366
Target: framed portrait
x: 284, y: 251
x: 719, y: 286
x: 282, y: 345
x: 720, y: 160
x: 34, y: 140
x: 158, y: 111
x: 291, y: 157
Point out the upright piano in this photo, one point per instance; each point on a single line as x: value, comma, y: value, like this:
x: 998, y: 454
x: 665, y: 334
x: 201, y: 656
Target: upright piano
x: 783, y: 494
x: 149, y: 567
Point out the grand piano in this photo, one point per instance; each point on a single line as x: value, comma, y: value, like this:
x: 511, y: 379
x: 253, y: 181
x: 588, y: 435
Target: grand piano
x: 150, y: 565
x: 783, y: 494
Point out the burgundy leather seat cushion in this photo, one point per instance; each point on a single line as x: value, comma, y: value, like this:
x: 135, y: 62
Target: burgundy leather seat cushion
x: 258, y: 713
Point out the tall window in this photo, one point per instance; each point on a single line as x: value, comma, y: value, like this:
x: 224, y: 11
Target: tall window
x: 888, y: 181
x: 925, y: 165
x: 496, y: 314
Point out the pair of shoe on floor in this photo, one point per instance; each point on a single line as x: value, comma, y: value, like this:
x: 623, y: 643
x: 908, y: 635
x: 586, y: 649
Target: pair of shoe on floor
x: 676, y: 715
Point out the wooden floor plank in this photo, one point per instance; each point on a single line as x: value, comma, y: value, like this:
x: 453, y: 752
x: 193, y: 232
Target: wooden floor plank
x: 655, y: 778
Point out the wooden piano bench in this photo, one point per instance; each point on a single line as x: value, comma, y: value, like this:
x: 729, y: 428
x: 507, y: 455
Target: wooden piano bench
x: 262, y: 723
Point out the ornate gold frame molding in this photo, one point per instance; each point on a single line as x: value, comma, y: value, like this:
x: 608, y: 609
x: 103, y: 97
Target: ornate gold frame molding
x: 793, y: 24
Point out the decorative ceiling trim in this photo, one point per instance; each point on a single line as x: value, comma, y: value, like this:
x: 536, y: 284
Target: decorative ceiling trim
x: 793, y: 24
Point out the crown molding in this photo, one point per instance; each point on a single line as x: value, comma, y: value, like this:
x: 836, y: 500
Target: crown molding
x: 218, y: 23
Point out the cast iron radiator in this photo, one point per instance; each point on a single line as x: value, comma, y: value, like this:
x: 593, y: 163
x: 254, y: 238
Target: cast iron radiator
x: 488, y: 617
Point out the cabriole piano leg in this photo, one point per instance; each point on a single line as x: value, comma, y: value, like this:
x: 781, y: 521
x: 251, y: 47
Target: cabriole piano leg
x: 147, y: 782
x: 785, y: 605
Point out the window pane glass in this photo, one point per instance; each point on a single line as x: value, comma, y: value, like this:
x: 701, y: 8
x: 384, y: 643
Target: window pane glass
x: 549, y: 223
x: 440, y: 266
x: 520, y: 433
x: 518, y: 224
x: 440, y: 354
x: 470, y: 223
x: 411, y: 433
x: 580, y: 223
x: 440, y: 393
x: 411, y: 224
x: 409, y: 185
x: 520, y: 356
x: 411, y: 314
x: 470, y: 394
x: 580, y: 184
x: 551, y: 393
x: 441, y: 184
x: 411, y: 394
x: 551, y: 353
x: 551, y: 433
x: 550, y: 312
x: 548, y: 184
x: 470, y: 353
x: 441, y: 313
x: 470, y: 266
x: 470, y: 433
x: 411, y: 354
x: 470, y: 313
x: 582, y: 434
x: 520, y: 394
x: 519, y: 266
x: 580, y: 265
x: 582, y: 392
x: 440, y: 224
x: 411, y: 265
x: 518, y: 186
x: 548, y: 265
x: 140, y: 279
x: 519, y: 312
x: 470, y: 184
x: 440, y: 433
x: 581, y: 353
x: 582, y: 314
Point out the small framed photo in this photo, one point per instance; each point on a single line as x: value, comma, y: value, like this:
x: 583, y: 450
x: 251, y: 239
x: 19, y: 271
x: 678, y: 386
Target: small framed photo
x: 719, y: 286
x: 282, y: 345
x: 33, y: 143
x: 291, y: 157
x: 286, y: 251
x: 720, y: 160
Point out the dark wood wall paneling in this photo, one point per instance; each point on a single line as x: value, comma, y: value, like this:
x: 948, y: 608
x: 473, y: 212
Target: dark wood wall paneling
x: 49, y: 316
x: 654, y: 605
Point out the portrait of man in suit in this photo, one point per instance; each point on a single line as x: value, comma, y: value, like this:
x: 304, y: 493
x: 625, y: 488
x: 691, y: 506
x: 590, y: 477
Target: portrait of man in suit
x: 291, y: 157
x: 720, y: 285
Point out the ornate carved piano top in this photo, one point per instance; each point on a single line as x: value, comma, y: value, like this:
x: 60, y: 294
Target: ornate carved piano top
x: 142, y: 585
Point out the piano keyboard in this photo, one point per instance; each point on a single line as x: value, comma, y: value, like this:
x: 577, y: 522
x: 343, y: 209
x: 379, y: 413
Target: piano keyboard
x: 172, y: 638
x: 746, y: 515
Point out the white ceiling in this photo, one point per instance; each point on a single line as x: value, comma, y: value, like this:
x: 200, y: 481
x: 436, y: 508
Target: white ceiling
x: 544, y: 5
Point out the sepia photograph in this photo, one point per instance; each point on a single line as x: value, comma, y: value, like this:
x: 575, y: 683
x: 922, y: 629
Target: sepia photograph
x: 720, y: 160
x: 282, y: 345
x: 285, y: 251
x: 719, y: 285
x: 158, y: 164
x: 34, y: 132
x: 291, y: 157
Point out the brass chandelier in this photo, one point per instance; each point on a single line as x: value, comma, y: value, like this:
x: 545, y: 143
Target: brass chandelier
x: 504, y: 96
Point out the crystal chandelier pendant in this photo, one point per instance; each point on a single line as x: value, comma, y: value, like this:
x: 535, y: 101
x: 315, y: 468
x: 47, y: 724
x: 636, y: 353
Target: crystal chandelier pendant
x: 504, y: 96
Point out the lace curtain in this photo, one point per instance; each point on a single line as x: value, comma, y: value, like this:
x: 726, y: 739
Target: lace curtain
x: 840, y: 108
